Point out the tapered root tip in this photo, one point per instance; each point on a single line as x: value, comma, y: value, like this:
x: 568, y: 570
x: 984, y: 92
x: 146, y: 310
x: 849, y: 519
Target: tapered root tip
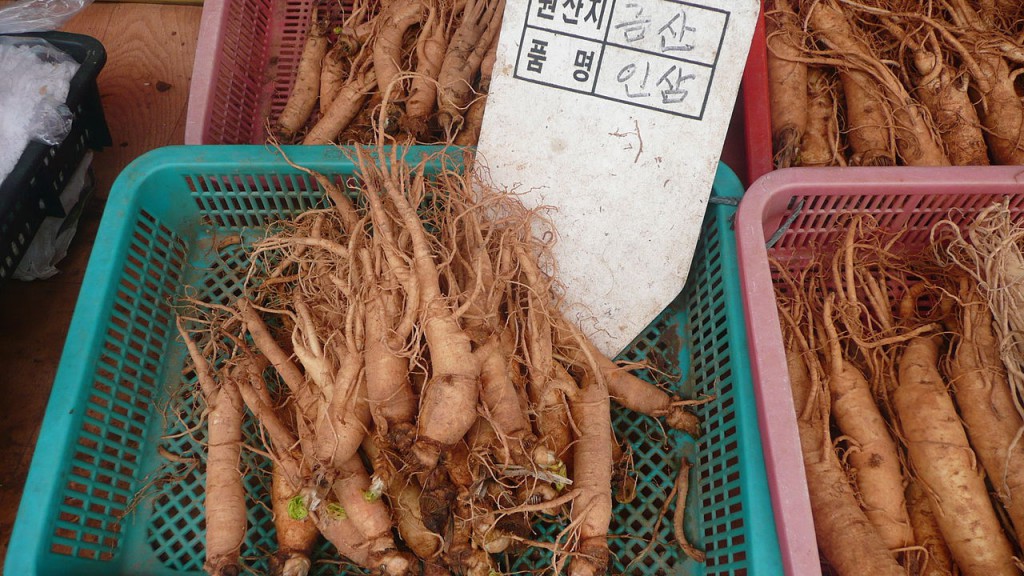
x: 283, y: 135
x: 679, y: 419
x: 348, y: 45
x: 222, y: 567
x: 426, y: 454
x: 401, y: 436
x: 545, y: 457
x: 418, y: 126
x: 434, y: 569
x: 872, y: 159
x: 470, y: 561
x: 394, y: 119
x: 786, y: 143
x: 436, y: 500
x: 592, y: 558
x: 450, y: 120
x: 289, y: 564
x: 625, y: 488
x: 394, y: 563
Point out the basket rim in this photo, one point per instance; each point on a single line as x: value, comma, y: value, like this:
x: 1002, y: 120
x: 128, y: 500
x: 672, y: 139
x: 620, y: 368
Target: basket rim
x: 208, y: 57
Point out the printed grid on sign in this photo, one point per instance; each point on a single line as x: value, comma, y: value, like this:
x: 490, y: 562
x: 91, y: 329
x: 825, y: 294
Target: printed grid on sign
x: 638, y: 66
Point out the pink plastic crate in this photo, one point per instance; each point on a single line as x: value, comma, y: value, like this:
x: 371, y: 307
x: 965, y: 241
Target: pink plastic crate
x: 805, y: 202
x: 246, y: 60
x: 248, y: 52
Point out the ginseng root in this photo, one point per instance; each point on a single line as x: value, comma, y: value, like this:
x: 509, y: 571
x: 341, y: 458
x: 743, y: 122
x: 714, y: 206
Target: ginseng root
x: 946, y: 463
x: 787, y: 76
x: 844, y: 534
x: 820, y: 145
x: 303, y: 97
x: 592, y: 468
x: 986, y: 403
x: 480, y: 23
x: 873, y: 456
x: 296, y: 533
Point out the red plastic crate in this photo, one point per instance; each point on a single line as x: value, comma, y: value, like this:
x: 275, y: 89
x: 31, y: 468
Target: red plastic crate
x: 248, y: 52
x: 804, y: 203
x: 757, y: 120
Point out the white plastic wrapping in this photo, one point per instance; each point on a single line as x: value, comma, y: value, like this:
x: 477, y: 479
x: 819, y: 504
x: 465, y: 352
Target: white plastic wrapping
x: 36, y: 79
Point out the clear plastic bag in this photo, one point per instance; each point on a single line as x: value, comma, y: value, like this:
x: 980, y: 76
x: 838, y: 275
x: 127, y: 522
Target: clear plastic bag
x: 32, y: 105
x: 38, y: 15
x: 51, y: 121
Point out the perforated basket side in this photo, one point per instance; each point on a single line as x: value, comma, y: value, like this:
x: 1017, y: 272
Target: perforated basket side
x: 251, y: 200
x: 738, y: 513
x: 227, y: 85
x: 86, y: 471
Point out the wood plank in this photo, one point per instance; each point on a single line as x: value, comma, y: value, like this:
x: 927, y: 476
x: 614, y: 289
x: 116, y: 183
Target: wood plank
x: 93, y: 21
x: 144, y: 87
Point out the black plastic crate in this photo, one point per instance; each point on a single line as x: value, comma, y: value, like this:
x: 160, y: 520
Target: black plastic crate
x: 32, y: 190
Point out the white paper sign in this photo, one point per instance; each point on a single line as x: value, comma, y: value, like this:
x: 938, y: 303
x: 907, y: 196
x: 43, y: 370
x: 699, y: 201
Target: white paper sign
x: 614, y: 112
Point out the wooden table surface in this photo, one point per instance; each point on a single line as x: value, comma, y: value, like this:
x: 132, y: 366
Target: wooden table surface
x: 149, y: 47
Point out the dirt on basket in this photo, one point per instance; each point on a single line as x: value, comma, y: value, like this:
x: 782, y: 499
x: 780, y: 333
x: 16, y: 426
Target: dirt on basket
x: 664, y: 357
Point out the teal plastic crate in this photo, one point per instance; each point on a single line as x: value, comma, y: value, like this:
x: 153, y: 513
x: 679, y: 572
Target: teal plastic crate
x: 101, y: 498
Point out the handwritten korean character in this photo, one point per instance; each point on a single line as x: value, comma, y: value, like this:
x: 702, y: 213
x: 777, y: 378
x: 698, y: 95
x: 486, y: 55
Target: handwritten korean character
x: 672, y: 34
x: 583, y: 62
x: 626, y: 75
x: 546, y: 9
x: 537, y: 55
x: 673, y: 79
x: 636, y: 29
x: 571, y: 11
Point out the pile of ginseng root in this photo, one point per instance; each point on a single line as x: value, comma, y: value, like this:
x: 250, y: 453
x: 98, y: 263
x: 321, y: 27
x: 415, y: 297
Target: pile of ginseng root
x: 419, y: 394
x: 418, y: 70
x: 906, y: 373
x: 896, y: 82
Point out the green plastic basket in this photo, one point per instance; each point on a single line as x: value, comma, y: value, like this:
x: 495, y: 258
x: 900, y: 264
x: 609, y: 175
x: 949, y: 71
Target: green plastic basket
x: 101, y: 498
